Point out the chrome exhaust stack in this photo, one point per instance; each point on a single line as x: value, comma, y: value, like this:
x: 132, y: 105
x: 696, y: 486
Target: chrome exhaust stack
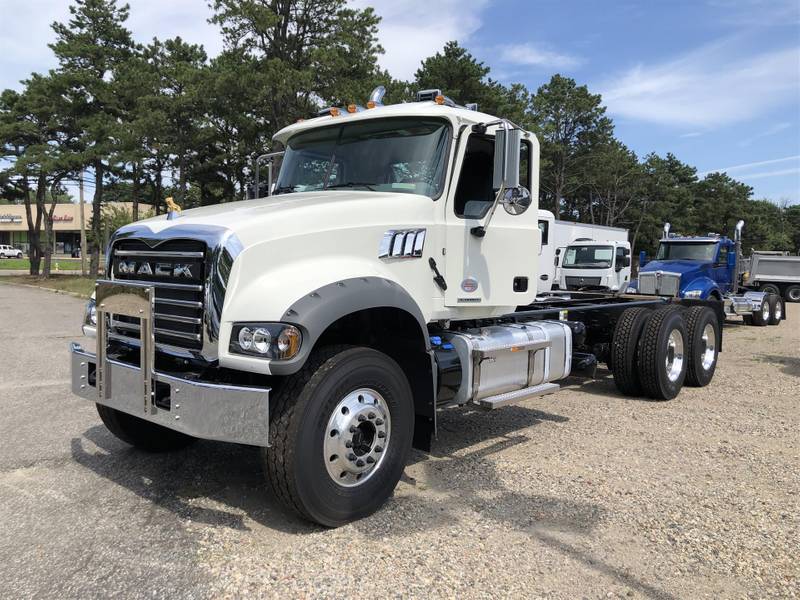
x: 737, y: 238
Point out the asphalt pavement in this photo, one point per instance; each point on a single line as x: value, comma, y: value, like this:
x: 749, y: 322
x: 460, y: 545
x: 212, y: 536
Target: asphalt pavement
x: 579, y: 494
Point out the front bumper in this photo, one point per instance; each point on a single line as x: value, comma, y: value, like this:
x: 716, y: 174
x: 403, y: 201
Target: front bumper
x: 201, y: 409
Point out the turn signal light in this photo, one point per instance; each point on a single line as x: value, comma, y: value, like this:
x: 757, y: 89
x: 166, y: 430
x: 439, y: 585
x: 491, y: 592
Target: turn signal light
x: 334, y: 112
x: 371, y: 104
x: 439, y: 99
x: 351, y: 108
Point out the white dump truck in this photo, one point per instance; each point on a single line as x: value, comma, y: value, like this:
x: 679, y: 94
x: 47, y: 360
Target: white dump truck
x: 588, y: 268
x: 386, y: 278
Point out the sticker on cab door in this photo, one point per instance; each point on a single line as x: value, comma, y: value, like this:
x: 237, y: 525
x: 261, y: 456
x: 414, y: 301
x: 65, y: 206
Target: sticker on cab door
x: 470, y: 284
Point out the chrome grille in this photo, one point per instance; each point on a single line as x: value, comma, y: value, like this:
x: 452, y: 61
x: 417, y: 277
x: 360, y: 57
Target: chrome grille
x: 177, y: 271
x: 659, y: 283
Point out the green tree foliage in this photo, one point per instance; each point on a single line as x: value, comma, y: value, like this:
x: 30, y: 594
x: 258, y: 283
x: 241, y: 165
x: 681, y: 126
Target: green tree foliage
x: 91, y: 48
x: 150, y: 121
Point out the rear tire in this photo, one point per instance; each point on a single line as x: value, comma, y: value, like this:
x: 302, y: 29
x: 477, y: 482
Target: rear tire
x: 792, y: 293
x: 775, y: 309
x: 770, y: 288
x: 624, y: 350
x: 663, y: 354
x: 142, y: 434
x: 762, y: 315
x: 317, y: 413
x: 702, y: 329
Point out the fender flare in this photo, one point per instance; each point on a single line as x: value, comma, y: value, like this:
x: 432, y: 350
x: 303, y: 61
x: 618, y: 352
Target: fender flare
x: 706, y: 286
x: 318, y: 310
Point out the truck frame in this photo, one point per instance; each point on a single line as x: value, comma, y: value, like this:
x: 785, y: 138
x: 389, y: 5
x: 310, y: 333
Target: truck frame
x: 388, y: 278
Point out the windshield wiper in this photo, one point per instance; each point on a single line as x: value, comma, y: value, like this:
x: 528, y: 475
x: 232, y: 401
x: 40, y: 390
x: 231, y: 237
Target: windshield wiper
x: 352, y: 184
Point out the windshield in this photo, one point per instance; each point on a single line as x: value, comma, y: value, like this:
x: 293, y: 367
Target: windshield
x: 686, y: 251
x: 385, y: 155
x: 588, y: 257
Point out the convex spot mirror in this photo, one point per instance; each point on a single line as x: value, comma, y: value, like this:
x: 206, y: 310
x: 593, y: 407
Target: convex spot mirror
x: 516, y: 200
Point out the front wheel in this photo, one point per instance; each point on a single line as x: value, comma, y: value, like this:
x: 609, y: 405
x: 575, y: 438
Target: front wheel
x: 341, y: 431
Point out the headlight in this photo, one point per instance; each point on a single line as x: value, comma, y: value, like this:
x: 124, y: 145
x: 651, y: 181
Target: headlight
x: 693, y: 293
x: 276, y: 341
x: 89, y: 326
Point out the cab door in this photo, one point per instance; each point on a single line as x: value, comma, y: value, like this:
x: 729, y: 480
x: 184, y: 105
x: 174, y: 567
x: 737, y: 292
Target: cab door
x: 501, y: 267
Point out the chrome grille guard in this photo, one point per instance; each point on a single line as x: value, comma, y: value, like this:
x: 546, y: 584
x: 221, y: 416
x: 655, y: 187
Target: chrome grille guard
x: 197, y: 408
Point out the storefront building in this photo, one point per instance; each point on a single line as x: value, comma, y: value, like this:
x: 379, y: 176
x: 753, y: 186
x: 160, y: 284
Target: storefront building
x: 66, y: 225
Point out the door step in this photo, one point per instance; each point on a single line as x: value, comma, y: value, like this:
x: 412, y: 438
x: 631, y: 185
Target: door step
x: 492, y: 402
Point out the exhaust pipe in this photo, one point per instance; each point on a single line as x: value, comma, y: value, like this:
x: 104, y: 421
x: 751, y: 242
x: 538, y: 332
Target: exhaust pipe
x: 737, y: 238
x: 666, y: 231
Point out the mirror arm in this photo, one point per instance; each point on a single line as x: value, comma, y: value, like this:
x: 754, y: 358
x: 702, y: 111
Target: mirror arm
x: 480, y: 230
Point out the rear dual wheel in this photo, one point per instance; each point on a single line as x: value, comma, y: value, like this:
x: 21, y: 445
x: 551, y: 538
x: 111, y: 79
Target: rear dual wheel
x: 702, y: 329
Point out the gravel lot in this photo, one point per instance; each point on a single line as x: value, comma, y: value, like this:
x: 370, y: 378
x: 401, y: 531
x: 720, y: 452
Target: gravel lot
x: 579, y: 494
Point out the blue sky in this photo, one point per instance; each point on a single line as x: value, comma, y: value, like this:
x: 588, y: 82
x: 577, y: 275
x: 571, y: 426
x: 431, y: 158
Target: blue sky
x: 716, y: 82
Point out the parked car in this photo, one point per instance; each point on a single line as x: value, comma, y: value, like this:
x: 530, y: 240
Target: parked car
x: 10, y: 252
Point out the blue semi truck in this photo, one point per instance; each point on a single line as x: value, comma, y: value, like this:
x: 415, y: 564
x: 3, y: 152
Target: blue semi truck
x: 705, y: 268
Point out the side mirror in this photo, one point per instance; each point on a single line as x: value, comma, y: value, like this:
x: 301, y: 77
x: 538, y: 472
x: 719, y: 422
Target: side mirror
x: 506, y: 158
x: 626, y: 262
x: 516, y: 200
x: 642, y: 258
x: 626, y: 252
x: 732, y: 259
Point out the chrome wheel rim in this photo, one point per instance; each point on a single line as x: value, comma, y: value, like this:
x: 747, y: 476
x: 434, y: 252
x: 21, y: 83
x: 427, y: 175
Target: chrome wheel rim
x: 674, y: 360
x: 778, y: 310
x: 357, y: 437
x: 709, y: 342
x: 765, y: 310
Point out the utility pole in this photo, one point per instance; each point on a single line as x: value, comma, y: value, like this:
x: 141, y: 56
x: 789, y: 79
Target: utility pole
x: 83, y: 224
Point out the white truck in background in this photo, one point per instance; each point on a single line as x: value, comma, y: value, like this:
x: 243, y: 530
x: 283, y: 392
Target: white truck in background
x: 593, y: 272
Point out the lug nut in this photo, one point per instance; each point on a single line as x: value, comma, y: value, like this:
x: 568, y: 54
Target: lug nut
x: 351, y: 456
x: 370, y: 460
x: 378, y: 448
x: 381, y: 434
x: 352, y: 428
x: 361, y: 418
x: 359, y: 463
x: 371, y: 415
x: 379, y: 422
x: 348, y: 444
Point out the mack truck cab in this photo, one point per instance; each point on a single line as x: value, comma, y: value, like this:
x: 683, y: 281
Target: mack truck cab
x: 705, y: 268
x: 388, y: 273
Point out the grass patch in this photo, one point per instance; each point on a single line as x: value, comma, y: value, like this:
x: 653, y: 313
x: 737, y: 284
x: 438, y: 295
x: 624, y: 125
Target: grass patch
x: 64, y: 264
x: 84, y: 286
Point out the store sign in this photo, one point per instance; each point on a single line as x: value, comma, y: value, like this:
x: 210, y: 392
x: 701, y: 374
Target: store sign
x: 11, y: 219
x: 63, y: 218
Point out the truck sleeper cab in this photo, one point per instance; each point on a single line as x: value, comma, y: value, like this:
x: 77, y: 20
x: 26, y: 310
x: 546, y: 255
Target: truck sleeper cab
x: 389, y: 277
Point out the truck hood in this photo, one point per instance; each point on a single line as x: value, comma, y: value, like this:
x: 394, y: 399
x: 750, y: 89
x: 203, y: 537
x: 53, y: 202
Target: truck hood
x: 684, y: 267
x: 284, y: 215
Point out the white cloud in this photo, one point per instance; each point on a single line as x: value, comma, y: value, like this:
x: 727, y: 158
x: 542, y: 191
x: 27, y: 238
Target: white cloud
x: 26, y: 31
x: 750, y: 165
x: 766, y: 174
x: 533, y: 56
x: 713, y: 85
x: 412, y: 30
x: 769, y: 131
x: 755, y: 170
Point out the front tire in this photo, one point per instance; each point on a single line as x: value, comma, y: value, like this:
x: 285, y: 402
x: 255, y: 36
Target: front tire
x: 702, y: 329
x: 142, y: 434
x: 341, y: 431
x: 663, y: 354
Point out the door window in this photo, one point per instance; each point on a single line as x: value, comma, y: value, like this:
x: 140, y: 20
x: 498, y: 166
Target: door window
x: 474, y: 192
x: 722, y: 259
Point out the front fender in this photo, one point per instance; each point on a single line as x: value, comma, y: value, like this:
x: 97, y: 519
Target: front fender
x: 292, y: 294
x: 701, y: 288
